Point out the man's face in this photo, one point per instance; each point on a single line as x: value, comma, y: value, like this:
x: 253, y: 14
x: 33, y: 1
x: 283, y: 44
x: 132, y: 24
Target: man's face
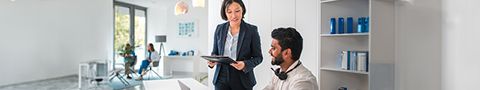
x: 276, y: 52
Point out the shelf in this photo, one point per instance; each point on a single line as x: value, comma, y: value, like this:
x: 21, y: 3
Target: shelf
x: 326, y: 1
x: 348, y: 34
x: 346, y: 71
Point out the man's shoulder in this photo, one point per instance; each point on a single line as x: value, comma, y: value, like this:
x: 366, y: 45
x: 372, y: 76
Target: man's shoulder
x: 304, y: 80
x: 304, y: 74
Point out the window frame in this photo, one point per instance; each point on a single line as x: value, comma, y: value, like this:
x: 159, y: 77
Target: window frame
x: 132, y: 9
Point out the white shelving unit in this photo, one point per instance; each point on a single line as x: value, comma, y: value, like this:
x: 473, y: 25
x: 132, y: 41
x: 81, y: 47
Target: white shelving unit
x: 326, y: 1
x: 345, y: 71
x: 379, y: 42
x: 347, y: 34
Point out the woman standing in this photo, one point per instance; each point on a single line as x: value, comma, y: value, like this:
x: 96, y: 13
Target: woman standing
x: 239, y: 41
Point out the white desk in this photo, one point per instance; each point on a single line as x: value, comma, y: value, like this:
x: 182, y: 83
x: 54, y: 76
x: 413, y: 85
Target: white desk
x: 193, y: 64
x: 173, y: 84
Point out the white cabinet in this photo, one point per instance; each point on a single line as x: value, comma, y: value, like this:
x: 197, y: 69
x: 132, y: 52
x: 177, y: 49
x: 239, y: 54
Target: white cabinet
x: 194, y: 64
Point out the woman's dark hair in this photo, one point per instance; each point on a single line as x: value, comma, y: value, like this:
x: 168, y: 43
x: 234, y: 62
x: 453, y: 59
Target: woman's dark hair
x: 151, y: 46
x: 227, y: 3
x: 289, y: 38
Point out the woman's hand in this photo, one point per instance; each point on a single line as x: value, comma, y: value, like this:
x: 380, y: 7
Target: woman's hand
x: 240, y: 65
x: 211, y: 64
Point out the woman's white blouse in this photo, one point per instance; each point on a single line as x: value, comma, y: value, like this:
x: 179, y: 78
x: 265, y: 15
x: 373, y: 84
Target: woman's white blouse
x: 230, y: 48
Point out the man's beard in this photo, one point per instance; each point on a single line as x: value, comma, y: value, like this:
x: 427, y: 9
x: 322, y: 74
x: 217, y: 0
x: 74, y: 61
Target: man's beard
x: 278, y: 60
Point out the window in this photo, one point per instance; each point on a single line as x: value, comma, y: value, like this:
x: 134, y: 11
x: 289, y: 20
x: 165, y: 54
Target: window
x: 130, y: 27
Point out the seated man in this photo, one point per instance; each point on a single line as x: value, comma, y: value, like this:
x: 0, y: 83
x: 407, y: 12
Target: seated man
x: 286, y: 49
x: 129, y: 59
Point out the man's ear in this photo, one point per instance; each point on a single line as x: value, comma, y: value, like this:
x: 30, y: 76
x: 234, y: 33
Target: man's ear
x: 287, y: 53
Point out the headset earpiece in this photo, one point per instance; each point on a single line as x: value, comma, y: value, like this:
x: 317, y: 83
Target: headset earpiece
x: 280, y: 75
x: 283, y: 75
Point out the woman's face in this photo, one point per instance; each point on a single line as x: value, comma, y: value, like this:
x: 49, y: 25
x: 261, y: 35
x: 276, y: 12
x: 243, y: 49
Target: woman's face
x: 149, y: 48
x: 234, y: 13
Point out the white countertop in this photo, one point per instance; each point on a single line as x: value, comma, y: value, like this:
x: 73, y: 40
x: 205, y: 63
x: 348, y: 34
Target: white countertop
x: 173, y: 84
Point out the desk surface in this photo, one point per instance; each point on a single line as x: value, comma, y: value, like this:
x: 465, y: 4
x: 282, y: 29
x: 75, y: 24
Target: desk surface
x: 180, y: 57
x: 173, y: 84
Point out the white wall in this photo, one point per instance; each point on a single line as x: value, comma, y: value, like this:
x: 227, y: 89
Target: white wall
x: 182, y: 44
x: 259, y: 13
x: 437, y: 45
x: 198, y: 42
x: 307, y: 23
x: 214, y: 19
x: 43, y: 39
x: 460, y: 44
x: 418, y: 45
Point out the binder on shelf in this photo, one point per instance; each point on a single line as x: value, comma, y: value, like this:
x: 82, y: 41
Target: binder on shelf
x: 353, y: 60
x: 333, y: 26
x: 345, y: 62
x: 349, y: 25
x: 365, y: 24
x: 341, y: 25
x: 360, y: 25
x: 339, y: 60
x: 349, y: 60
x: 362, y: 61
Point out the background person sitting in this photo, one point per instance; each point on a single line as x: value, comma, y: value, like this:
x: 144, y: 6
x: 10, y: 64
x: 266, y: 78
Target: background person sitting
x: 129, y: 59
x: 152, y: 55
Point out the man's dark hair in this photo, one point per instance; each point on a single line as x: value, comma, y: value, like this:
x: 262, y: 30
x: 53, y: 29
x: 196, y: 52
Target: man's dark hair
x: 227, y: 3
x: 289, y: 38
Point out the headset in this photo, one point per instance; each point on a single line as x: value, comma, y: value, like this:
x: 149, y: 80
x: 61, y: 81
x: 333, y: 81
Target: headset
x: 283, y: 75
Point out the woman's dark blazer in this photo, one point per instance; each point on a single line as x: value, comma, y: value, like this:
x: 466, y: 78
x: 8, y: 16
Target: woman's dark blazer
x: 248, y: 50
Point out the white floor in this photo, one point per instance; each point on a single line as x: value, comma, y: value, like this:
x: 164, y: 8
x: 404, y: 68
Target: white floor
x: 71, y: 83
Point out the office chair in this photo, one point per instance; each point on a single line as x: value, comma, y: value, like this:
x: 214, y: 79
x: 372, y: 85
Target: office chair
x: 154, y: 64
x: 117, y: 74
x: 119, y: 69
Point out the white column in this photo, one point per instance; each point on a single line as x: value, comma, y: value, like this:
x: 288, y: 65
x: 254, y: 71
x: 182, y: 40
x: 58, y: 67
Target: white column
x: 460, y: 44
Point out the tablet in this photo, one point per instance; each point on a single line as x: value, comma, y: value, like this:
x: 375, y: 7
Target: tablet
x: 220, y: 59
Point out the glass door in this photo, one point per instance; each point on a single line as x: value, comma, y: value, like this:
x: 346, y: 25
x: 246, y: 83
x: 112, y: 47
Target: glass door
x: 122, y: 31
x: 139, y: 37
x: 130, y: 27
